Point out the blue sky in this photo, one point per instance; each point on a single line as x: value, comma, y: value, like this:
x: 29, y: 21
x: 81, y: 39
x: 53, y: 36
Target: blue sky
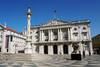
x: 13, y: 12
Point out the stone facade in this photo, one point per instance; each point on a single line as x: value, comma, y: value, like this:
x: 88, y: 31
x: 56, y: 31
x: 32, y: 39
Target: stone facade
x: 58, y: 37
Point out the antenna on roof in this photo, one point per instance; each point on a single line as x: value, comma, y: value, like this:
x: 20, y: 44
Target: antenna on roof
x: 5, y: 25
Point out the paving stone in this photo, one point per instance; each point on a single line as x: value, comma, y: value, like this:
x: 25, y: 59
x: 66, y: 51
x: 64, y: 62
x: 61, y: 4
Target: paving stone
x: 91, y: 61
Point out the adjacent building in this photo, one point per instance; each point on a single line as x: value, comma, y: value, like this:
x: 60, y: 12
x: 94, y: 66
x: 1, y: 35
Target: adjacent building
x: 96, y: 44
x: 11, y: 41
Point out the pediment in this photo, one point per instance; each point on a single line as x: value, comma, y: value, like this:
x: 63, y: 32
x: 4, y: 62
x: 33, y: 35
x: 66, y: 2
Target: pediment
x: 54, y: 22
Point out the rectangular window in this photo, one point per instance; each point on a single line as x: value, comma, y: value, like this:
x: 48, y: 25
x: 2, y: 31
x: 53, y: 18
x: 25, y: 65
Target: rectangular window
x: 75, y: 34
x: 0, y: 49
x: 11, y: 38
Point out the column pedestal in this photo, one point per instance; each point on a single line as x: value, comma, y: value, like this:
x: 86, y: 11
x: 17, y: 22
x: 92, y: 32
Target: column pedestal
x: 28, y: 48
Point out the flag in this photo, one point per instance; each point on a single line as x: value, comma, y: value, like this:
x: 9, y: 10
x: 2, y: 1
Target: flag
x: 55, y: 11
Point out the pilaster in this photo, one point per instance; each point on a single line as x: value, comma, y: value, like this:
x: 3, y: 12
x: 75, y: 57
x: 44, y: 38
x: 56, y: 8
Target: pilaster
x: 3, y: 50
x: 89, y: 33
x: 41, y: 49
x: 51, y: 35
x: 49, y: 32
x: 60, y: 34
x: 69, y: 34
x: 50, y: 49
x: 91, y: 48
x: 40, y: 35
x: 70, y: 49
x: 60, y: 49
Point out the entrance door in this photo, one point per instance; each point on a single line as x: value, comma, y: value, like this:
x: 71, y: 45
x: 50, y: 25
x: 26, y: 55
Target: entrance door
x: 45, y: 49
x: 55, y: 49
x: 65, y: 49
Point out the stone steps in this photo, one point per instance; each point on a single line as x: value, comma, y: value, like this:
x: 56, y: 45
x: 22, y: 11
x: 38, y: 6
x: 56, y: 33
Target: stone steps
x: 24, y: 57
x: 31, y: 57
x: 40, y: 57
x: 60, y: 56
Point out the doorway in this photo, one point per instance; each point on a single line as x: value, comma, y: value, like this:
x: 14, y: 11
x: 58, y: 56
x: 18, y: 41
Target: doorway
x: 65, y: 49
x: 55, y: 49
x: 45, y: 49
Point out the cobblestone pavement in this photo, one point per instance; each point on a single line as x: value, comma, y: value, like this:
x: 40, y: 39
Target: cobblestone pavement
x: 90, y: 61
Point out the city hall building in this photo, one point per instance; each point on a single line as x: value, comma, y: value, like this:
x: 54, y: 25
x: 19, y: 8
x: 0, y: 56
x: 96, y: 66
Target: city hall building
x: 58, y: 37
x: 54, y: 37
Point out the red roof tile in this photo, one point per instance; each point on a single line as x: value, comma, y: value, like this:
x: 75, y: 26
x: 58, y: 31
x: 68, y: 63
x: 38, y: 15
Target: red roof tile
x: 7, y: 28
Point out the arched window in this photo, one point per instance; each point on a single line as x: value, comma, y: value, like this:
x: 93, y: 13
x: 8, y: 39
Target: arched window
x: 84, y: 28
x: 75, y: 29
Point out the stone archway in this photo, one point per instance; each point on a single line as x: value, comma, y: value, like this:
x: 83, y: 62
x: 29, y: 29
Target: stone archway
x: 55, y: 49
x: 65, y: 49
x: 45, y: 49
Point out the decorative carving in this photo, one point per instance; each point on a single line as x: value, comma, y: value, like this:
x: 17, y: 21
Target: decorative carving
x: 55, y: 22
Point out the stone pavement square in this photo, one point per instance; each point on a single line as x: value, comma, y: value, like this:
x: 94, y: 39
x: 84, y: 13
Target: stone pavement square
x: 91, y: 61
